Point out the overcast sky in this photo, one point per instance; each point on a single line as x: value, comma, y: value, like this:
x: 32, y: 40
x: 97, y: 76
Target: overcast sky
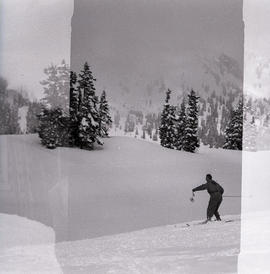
x: 136, y: 42
x: 257, y: 50
x: 34, y: 34
x: 125, y: 38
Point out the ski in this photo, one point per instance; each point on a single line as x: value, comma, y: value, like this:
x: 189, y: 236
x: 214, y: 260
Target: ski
x: 204, y: 222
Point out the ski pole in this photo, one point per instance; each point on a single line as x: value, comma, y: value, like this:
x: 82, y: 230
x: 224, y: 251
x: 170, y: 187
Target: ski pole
x: 233, y: 196
x: 237, y: 196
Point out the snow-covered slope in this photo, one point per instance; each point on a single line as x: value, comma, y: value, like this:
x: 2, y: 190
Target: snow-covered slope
x: 210, y: 248
x: 26, y: 246
x: 126, y: 185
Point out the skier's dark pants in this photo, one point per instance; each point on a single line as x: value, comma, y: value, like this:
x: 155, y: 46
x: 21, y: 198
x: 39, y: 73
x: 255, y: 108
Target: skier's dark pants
x: 214, y: 203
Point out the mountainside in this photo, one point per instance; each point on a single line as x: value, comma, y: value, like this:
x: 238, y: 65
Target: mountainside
x: 257, y: 70
x: 18, y: 113
x: 220, y: 74
x: 218, y: 82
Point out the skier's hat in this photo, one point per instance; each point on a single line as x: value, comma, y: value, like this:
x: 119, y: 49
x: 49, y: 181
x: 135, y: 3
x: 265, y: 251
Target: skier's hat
x: 209, y: 176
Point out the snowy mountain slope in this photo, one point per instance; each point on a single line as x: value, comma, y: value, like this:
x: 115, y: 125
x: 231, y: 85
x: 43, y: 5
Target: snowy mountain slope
x: 218, y: 83
x: 257, y: 69
x: 126, y: 185
x: 209, y: 73
x: 210, y: 248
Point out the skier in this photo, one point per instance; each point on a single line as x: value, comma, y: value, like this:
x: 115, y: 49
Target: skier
x: 215, y: 191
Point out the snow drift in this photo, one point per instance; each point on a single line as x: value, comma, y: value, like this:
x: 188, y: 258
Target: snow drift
x: 26, y: 246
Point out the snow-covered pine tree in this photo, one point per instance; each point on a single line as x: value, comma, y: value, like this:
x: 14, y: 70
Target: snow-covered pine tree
x: 191, y: 140
x: 73, y: 96
x: 180, y: 126
x: 56, y: 86
x: 89, y: 116
x: 167, y: 123
x: 34, y: 109
x: 234, y: 131
x: 74, y: 109
x: 250, y: 135
x: 53, y: 130
x: 104, y: 114
x: 64, y: 84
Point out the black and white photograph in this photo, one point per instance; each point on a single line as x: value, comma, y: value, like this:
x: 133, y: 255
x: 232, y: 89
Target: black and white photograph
x: 134, y: 136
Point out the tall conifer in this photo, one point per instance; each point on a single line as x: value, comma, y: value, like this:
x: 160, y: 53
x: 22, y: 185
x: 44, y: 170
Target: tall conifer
x: 104, y: 115
x: 191, y: 140
x: 89, y: 116
x: 234, y: 131
x: 180, y: 126
x: 167, y: 123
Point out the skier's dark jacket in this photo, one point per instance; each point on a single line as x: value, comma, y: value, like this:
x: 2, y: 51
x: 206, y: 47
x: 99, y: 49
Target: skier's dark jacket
x: 212, y: 188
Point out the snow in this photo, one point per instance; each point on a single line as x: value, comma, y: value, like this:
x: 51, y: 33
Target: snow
x: 210, y: 248
x: 124, y: 186
x: 26, y: 246
x: 255, y: 215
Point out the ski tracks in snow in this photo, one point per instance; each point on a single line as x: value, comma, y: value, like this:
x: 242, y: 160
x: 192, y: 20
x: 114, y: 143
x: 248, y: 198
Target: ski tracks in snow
x: 211, y: 248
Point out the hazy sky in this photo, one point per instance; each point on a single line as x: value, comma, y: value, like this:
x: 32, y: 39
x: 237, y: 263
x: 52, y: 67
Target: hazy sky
x: 257, y: 50
x: 128, y: 40
x: 133, y: 42
x: 34, y: 33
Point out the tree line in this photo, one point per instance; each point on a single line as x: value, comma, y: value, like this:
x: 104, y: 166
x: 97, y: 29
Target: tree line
x: 71, y: 114
x: 82, y: 122
x: 179, y: 125
x: 10, y: 103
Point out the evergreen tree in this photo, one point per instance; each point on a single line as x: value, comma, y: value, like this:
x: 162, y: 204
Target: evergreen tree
x: 53, y: 127
x: 4, y: 110
x: 64, y: 84
x: 266, y: 122
x: 130, y: 123
x: 89, y: 116
x: 143, y: 135
x: 9, y: 112
x: 74, y: 109
x: 56, y: 86
x: 34, y: 109
x: 180, y: 126
x: 191, y: 140
x: 104, y: 115
x: 234, y: 131
x: 250, y: 135
x: 73, y: 96
x: 167, y: 124
x: 13, y: 121
x: 117, y: 119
